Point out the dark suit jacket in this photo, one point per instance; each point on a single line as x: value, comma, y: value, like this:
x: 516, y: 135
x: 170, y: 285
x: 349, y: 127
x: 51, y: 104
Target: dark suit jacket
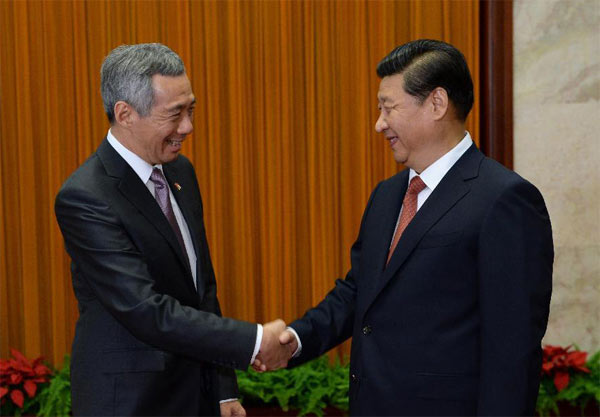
x: 453, y: 325
x: 146, y: 342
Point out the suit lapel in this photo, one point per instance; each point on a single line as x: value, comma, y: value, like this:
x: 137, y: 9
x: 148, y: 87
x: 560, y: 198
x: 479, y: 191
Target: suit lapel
x: 135, y: 191
x: 453, y: 187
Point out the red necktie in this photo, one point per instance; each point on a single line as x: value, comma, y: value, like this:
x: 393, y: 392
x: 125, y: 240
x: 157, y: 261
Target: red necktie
x: 409, y: 209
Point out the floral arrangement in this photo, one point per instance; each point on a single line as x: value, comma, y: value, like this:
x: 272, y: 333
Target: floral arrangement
x: 568, y: 377
x: 557, y: 361
x: 28, y: 386
x: 19, y: 380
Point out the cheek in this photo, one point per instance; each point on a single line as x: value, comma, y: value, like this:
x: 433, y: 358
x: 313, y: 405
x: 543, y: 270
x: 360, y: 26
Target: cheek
x: 161, y: 134
x: 399, y: 123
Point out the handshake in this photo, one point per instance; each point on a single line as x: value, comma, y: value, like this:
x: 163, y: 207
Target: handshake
x: 276, y: 348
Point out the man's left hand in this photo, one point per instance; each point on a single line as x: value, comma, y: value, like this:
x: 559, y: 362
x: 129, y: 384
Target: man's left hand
x: 232, y: 408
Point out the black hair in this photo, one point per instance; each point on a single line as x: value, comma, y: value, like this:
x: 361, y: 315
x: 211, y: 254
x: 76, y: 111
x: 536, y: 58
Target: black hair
x: 427, y: 64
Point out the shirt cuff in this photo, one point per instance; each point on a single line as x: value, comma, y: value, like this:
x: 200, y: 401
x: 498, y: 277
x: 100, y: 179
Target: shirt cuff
x: 228, y: 400
x: 299, y: 350
x: 259, y: 335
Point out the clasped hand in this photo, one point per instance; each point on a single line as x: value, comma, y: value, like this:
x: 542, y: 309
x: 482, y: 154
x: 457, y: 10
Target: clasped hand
x: 276, y: 348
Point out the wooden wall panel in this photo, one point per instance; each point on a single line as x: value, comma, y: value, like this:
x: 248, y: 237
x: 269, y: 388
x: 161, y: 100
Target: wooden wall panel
x: 496, y: 109
x: 284, y: 142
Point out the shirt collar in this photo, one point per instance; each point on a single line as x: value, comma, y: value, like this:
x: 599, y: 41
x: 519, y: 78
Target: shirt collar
x: 434, y: 173
x: 142, y: 168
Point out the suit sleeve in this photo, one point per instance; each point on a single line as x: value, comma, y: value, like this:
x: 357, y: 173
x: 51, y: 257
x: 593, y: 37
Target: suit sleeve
x: 331, y: 321
x: 118, y: 275
x: 227, y: 384
x: 515, y: 283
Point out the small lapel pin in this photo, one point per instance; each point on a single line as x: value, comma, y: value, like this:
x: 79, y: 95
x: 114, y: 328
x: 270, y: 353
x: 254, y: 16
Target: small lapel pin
x: 178, y: 186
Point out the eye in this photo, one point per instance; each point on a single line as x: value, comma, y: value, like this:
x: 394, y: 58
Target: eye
x: 385, y: 109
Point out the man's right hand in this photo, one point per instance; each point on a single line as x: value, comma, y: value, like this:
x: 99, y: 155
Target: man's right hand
x: 273, y: 354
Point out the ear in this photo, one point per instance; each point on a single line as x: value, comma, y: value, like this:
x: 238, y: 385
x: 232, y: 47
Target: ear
x: 125, y: 115
x: 440, y: 103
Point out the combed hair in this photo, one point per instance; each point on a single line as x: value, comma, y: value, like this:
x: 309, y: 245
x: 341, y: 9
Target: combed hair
x: 427, y: 64
x: 126, y: 75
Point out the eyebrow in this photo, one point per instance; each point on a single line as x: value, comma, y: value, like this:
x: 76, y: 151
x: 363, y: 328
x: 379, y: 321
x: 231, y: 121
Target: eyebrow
x: 383, y: 98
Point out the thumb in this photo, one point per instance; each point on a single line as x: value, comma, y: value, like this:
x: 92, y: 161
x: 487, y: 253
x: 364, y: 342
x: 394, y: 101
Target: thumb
x: 286, y: 337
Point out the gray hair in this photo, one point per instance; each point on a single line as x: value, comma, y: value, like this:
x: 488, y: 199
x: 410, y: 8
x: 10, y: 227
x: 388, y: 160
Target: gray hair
x: 127, y: 71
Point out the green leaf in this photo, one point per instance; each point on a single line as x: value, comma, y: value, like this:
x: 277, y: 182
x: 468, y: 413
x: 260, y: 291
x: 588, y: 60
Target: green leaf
x: 309, y: 388
x: 55, y: 398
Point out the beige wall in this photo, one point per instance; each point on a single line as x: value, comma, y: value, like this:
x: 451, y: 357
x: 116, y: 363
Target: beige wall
x: 556, y: 147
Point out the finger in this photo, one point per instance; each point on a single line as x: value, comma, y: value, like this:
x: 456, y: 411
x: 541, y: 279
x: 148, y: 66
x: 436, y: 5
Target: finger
x: 241, y: 411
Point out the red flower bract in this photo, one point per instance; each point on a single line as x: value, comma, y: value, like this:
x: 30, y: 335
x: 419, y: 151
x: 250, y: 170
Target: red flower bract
x: 558, y: 361
x: 17, y: 397
x: 19, y: 374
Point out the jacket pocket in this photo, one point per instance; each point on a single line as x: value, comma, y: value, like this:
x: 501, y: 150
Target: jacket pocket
x: 447, y: 386
x: 133, y: 360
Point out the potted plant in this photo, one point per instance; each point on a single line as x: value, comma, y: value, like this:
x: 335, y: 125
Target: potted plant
x: 314, y: 388
x: 570, y: 382
x: 20, y: 379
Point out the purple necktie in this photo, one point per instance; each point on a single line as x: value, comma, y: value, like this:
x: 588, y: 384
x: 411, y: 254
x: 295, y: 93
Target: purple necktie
x: 161, y: 193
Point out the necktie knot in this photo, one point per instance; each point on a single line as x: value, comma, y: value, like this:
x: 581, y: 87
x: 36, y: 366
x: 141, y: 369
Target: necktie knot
x: 158, y: 178
x: 416, y: 185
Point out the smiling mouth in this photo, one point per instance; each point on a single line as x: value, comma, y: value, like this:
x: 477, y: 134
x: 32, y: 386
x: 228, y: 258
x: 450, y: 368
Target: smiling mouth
x: 175, y: 143
x: 393, y: 140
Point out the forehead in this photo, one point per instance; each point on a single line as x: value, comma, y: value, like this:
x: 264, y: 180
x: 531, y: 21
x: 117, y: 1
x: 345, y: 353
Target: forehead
x: 172, y: 91
x: 391, y: 88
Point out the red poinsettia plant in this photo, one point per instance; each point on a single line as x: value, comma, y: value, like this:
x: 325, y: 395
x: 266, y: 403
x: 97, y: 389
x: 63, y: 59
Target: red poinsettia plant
x: 20, y: 376
x: 559, y: 361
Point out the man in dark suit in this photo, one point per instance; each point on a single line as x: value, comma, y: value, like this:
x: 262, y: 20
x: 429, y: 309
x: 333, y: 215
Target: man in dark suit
x: 150, y: 339
x: 446, y: 307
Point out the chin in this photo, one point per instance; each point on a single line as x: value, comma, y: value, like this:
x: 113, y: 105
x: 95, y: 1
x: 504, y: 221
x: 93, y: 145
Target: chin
x: 401, y: 159
x: 169, y: 158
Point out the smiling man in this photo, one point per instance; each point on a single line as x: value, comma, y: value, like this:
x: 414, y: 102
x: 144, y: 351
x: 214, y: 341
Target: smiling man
x: 448, y: 293
x: 150, y: 339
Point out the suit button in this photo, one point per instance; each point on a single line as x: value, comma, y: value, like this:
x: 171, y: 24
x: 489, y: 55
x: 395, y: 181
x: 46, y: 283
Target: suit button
x: 366, y: 330
x: 354, y: 378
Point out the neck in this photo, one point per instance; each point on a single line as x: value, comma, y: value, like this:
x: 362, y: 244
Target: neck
x: 125, y: 138
x: 445, y: 141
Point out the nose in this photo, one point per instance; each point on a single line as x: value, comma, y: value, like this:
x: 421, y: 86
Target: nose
x: 185, y: 126
x: 380, y: 124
